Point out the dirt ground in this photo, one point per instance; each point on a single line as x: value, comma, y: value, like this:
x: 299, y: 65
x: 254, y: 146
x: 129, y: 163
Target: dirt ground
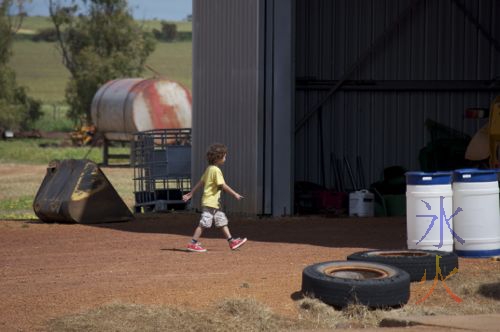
x: 52, y: 270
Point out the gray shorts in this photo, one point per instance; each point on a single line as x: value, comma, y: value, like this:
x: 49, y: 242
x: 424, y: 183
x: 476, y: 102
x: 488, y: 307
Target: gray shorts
x: 209, y: 214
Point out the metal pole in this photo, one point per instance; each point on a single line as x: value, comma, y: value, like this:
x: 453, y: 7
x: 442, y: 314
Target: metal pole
x: 321, y: 147
x: 105, y: 152
x: 351, y: 176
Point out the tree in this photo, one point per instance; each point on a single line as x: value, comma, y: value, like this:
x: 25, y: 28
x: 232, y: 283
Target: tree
x: 17, y: 109
x: 167, y: 33
x: 9, y: 25
x: 101, y: 43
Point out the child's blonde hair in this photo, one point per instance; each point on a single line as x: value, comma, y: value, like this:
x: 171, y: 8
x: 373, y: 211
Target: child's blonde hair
x: 215, y: 153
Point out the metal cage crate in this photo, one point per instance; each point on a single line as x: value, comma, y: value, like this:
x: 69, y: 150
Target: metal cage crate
x: 161, y: 159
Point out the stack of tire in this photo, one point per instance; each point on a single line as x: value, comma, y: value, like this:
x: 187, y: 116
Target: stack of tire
x: 375, y: 278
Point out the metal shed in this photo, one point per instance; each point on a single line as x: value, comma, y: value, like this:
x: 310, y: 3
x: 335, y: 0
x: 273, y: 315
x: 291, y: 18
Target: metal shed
x: 287, y: 84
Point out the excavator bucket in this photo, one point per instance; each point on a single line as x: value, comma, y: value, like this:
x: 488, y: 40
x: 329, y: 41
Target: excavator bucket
x: 78, y: 191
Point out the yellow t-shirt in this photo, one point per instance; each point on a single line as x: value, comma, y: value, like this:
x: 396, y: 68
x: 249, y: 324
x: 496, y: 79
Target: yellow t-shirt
x: 213, y: 179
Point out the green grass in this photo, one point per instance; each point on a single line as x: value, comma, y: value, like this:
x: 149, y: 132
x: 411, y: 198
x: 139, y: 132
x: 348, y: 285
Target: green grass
x: 42, y: 151
x: 17, y: 208
x: 173, y: 61
x: 36, y: 22
x: 54, y: 118
x: 149, y: 25
x: 18, y: 203
x: 45, y: 77
x: 39, y: 67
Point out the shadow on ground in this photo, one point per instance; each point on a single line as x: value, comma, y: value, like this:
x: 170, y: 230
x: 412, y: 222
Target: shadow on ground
x: 380, y: 233
x: 491, y: 290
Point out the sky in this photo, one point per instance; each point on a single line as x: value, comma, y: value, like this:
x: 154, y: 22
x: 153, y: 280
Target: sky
x: 174, y: 10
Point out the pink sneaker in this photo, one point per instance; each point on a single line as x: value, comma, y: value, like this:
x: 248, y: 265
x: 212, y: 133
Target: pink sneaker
x: 196, y: 247
x: 236, y: 243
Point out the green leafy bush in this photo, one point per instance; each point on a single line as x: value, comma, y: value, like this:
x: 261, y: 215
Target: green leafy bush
x: 17, y: 110
x: 167, y: 33
x: 47, y: 35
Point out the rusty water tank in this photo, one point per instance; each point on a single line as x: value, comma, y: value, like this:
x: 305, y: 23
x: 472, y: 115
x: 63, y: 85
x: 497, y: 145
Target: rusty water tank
x: 125, y: 106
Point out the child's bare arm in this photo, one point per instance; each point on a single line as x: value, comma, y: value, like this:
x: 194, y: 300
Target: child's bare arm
x: 190, y: 194
x: 231, y: 191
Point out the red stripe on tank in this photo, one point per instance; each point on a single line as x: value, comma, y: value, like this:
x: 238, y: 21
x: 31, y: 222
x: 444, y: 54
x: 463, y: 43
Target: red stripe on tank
x: 162, y: 115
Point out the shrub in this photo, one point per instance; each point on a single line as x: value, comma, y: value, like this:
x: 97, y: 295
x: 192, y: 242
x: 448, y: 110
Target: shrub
x: 167, y: 33
x: 17, y: 109
x: 47, y: 35
x: 184, y: 36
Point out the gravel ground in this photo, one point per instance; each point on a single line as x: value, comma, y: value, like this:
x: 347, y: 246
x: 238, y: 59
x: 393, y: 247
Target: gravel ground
x: 52, y: 270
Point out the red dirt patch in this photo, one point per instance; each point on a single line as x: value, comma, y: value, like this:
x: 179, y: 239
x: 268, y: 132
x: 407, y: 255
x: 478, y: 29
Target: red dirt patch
x: 50, y: 270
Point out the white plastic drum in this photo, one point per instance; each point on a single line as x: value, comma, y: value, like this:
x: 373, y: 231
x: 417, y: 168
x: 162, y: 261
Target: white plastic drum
x: 361, y: 203
x: 477, y: 226
x: 428, y: 206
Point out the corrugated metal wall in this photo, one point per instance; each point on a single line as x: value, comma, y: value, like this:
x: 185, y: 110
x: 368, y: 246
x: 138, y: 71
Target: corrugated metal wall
x: 436, y: 42
x: 225, y: 93
x: 278, y: 103
x: 236, y: 99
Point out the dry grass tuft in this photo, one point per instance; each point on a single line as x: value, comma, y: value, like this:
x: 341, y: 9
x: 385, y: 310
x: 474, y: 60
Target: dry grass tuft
x: 480, y: 294
x: 249, y: 315
x: 246, y: 315
x: 314, y: 314
x: 230, y: 315
x: 124, y: 317
x: 362, y: 316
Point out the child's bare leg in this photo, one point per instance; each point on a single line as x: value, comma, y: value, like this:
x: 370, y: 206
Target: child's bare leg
x: 226, y: 232
x: 197, y: 233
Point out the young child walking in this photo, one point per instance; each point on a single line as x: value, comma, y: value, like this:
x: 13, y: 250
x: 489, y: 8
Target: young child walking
x: 213, y: 182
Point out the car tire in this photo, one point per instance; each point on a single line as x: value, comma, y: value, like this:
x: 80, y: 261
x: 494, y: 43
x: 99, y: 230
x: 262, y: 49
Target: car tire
x: 415, y: 262
x: 340, y: 283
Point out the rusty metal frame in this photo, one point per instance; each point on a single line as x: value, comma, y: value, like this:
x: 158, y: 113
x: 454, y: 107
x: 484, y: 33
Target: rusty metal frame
x: 362, y: 58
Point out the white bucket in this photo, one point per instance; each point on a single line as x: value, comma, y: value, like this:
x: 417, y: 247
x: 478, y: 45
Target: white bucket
x: 427, y: 195
x: 361, y: 203
x: 478, y: 224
